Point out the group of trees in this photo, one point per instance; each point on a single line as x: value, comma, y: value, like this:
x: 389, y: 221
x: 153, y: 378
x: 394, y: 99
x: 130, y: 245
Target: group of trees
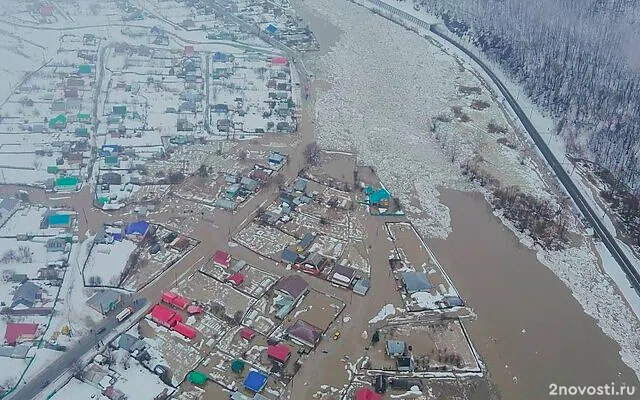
x: 577, y: 59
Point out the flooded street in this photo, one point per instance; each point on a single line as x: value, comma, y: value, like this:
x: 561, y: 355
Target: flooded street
x: 529, y: 330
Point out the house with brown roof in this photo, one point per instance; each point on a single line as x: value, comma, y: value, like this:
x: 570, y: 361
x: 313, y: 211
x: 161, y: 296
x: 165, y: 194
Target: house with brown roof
x: 305, y: 333
x: 293, y: 286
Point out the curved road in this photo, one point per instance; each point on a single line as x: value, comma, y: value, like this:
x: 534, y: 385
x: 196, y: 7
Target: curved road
x: 598, y: 226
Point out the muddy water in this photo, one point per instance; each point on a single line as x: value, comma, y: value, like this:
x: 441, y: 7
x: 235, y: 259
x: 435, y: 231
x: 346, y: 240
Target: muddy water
x: 530, y: 330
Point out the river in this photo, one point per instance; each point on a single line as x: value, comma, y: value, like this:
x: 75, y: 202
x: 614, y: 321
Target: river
x: 530, y: 330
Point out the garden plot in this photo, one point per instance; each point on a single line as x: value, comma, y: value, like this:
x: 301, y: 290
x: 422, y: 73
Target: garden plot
x: 150, y: 194
x: 134, y: 380
x: 107, y: 263
x: 211, y: 328
x: 27, y: 221
x: 189, y: 391
x: 334, y: 169
x: 190, y: 157
x: 168, y: 348
x: 251, y: 280
x: 328, y: 246
x: 415, y: 256
x: 302, y: 223
x: 264, y: 240
x: 356, y: 256
x: 222, y: 299
x: 318, y: 309
x: 261, y: 317
x: 27, y: 257
x: 169, y: 247
x: 199, y: 189
x: 439, y: 345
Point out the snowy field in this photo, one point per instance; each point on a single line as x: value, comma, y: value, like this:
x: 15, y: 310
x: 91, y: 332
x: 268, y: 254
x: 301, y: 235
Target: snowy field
x: 355, y: 114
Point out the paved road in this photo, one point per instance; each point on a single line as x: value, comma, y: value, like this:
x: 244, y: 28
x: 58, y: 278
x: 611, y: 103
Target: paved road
x: 594, y: 219
x: 36, y: 384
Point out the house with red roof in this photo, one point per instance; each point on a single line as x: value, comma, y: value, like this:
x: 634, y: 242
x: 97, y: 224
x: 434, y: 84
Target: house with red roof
x: 222, y: 259
x: 19, y: 332
x: 175, y: 300
x: 247, y: 334
x: 367, y: 394
x: 279, y: 352
x: 236, y: 279
x: 188, y: 51
x: 164, y: 316
x: 185, y: 330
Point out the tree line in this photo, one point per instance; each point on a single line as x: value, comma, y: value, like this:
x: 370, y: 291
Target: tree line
x: 576, y: 59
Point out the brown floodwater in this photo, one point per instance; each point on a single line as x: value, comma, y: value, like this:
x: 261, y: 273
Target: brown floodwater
x: 530, y: 330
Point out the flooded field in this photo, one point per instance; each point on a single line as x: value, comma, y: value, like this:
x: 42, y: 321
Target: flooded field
x: 530, y: 331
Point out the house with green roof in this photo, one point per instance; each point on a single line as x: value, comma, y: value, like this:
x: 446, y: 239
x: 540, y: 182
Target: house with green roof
x: 82, y: 132
x: 53, y: 169
x: 58, y: 122
x: 67, y: 184
x: 59, y: 221
x: 84, y: 69
x: 119, y: 110
x: 112, y: 161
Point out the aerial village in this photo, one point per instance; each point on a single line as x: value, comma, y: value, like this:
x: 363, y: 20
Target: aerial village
x: 169, y: 230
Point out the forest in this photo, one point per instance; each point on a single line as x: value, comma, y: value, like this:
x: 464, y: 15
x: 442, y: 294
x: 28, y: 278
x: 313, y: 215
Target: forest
x: 578, y: 60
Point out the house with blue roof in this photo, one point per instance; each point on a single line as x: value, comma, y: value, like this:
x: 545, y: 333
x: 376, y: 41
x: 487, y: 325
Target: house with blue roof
x: 271, y: 29
x: 255, y: 381
x: 219, y: 56
x: 137, y: 229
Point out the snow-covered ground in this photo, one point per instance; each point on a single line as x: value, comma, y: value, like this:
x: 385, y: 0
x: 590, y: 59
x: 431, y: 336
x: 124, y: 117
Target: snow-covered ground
x: 361, y: 110
x: 107, y: 261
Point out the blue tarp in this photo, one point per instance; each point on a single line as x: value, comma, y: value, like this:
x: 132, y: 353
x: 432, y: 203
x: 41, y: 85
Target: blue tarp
x: 255, y: 381
x: 137, y: 228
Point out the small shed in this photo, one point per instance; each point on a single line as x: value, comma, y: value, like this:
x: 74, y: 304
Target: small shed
x: 197, y: 378
x: 236, y: 278
x: 255, y: 381
x: 247, y: 334
x: 237, y: 366
x: 395, y: 348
